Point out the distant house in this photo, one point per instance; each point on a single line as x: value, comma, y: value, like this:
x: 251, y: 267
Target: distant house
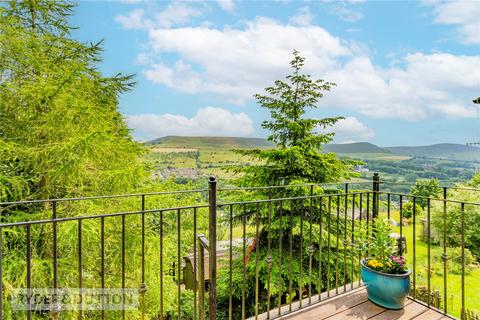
x: 360, y: 168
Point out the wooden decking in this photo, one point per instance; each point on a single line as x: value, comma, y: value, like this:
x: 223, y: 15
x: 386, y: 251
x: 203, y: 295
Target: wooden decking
x: 355, y: 305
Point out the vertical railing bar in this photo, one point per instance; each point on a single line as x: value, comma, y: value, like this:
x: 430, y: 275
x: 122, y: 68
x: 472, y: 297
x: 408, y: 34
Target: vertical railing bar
x: 375, y: 195
x: 444, y: 255
x: 179, y: 263
x: 244, y: 222
x: 428, y: 253
x: 360, y: 225
x: 329, y: 222
x: 400, y: 249
x: 280, y: 245
x: 201, y: 271
x: 161, y: 263
x: 290, y: 254
x: 102, y: 262
x: 143, y: 285
x: 269, y: 257
x: 230, y: 270
x: 300, y: 289
x: 195, y: 277
x: 352, y: 242
x: 55, y: 309
x: 368, y: 216
x: 345, y: 241
x: 463, y: 259
x: 212, y: 235
x: 388, y: 205
x: 123, y: 267
x: 257, y: 245
x: 310, y: 248
x: 80, y: 269
x: 29, y: 269
x: 320, y: 200
x: 336, y: 243
x: 414, y: 236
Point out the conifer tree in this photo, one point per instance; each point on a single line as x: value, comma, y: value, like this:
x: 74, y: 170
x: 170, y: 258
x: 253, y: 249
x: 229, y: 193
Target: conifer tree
x: 61, y: 133
x: 297, y: 156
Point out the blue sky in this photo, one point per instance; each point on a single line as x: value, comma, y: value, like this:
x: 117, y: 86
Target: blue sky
x: 406, y: 72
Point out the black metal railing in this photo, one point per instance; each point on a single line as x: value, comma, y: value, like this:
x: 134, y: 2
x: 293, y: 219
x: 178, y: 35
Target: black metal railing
x: 290, y: 252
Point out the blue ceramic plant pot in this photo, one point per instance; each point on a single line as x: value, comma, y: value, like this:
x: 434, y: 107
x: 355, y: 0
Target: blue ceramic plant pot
x: 386, y: 290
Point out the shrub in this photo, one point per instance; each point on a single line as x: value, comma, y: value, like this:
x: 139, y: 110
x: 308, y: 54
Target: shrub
x: 407, y: 211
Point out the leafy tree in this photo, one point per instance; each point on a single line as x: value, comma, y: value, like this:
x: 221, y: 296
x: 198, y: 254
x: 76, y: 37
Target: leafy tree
x: 475, y: 182
x: 60, y: 129
x: 425, y: 188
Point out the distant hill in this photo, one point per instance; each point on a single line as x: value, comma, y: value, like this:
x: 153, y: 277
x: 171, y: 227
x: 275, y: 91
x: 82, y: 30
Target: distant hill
x: 210, y: 142
x: 441, y: 150
x: 363, y: 150
x: 357, y: 147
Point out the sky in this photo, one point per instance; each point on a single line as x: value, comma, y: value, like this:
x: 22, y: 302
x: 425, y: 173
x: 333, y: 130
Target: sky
x: 405, y: 72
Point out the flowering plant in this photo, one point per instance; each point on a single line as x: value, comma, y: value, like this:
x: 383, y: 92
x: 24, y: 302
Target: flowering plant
x: 376, y: 245
x: 391, y: 265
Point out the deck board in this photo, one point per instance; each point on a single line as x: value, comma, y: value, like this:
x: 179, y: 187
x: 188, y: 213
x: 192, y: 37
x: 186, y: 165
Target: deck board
x: 354, y: 305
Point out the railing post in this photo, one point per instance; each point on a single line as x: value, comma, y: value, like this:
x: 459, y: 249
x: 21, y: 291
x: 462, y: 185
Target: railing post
x: 212, y: 236
x: 201, y: 273
x: 375, y: 198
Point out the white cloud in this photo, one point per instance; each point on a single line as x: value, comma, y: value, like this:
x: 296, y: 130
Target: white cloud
x: 303, y: 17
x: 345, y: 13
x: 465, y: 15
x: 208, y: 121
x: 227, y: 5
x: 234, y: 63
x: 350, y: 129
x: 176, y: 13
x: 427, y: 85
x: 134, y: 20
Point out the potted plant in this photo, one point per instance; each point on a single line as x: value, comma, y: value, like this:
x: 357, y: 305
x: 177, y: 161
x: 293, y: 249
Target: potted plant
x: 385, y: 275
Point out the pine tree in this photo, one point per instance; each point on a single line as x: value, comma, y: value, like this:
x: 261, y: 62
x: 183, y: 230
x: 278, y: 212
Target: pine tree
x: 297, y: 157
x: 61, y: 133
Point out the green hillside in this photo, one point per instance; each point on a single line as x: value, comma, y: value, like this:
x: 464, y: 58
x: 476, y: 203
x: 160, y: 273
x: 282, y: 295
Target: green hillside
x: 441, y: 151
x: 210, y: 142
x: 358, y: 147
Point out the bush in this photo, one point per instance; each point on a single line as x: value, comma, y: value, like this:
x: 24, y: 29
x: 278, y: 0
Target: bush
x: 407, y: 211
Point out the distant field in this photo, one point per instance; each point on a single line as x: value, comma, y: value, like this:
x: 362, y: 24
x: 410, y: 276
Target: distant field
x: 376, y: 156
x: 172, y: 150
x: 196, y: 157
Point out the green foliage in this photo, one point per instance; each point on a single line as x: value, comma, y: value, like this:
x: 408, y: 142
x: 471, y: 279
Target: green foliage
x: 374, y: 241
x: 408, y: 211
x: 452, y: 221
x: 377, y: 247
x: 475, y: 182
x: 454, y: 264
x: 425, y: 188
x: 61, y: 133
x: 297, y: 156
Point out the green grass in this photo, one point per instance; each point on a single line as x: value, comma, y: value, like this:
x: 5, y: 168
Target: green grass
x: 472, y: 280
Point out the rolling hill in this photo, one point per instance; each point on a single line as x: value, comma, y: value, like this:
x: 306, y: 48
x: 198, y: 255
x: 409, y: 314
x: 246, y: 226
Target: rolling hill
x: 357, y: 147
x: 363, y: 150
x: 443, y: 150
x: 210, y: 142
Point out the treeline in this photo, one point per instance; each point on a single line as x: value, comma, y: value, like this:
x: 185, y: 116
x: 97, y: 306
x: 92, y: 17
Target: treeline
x: 419, y: 168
